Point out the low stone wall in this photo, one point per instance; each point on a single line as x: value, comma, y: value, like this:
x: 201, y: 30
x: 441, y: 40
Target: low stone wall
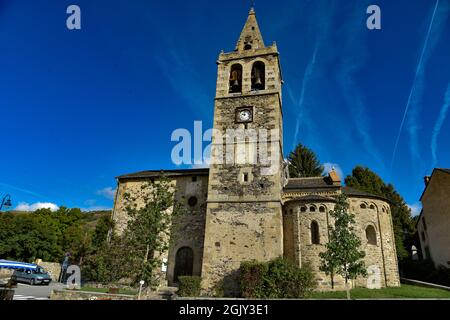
x: 6, y: 273
x: 53, y: 268
x: 85, y: 295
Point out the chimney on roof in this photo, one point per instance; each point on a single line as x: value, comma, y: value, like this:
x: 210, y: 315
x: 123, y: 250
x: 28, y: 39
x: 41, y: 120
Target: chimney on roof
x: 334, y: 177
x: 426, y: 179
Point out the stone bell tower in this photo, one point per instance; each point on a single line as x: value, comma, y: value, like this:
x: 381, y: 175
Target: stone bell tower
x: 244, y: 210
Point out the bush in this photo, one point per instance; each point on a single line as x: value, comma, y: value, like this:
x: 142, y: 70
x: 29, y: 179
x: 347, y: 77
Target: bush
x: 189, y: 286
x: 279, y: 278
x: 252, y: 276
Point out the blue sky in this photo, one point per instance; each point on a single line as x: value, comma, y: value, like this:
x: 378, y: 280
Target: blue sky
x: 81, y: 107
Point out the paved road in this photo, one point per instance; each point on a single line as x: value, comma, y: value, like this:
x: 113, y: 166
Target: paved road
x: 27, y: 292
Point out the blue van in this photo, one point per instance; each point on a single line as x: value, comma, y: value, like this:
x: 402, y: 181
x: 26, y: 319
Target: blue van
x: 31, y: 277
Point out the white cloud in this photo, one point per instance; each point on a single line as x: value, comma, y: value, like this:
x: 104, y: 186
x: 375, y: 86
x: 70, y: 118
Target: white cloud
x: 415, y: 208
x: 23, y: 206
x: 108, y: 193
x: 327, y: 166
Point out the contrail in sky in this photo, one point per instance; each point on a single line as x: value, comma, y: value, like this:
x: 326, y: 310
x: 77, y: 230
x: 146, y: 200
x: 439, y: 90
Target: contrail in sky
x: 301, y: 101
x: 413, y: 88
x: 22, y: 190
x: 439, y: 123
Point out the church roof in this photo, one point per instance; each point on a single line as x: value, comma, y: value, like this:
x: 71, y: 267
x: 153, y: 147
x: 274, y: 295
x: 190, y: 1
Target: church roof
x: 358, y: 193
x: 310, y: 183
x: 315, y: 197
x: 170, y: 173
x: 317, y: 184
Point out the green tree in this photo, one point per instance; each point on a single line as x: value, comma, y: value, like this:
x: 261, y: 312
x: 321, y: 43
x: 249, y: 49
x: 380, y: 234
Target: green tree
x: 44, y: 234
x: 404, y: 227
x: 343, y: 255
x: 303, y: 162
x: 111, y: 262
x: 100, y: 234
x: 148, y: 232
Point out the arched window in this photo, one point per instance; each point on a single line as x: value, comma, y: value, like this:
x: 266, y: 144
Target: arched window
x: 363, y: 206
x: 315, y: 237
x: 258, y: 76
x: 312, y: 209
x: 372, y: 207
x: 303, y: 209
x: 236, y: 78
x: 322, y: 209
x: 371, y: 235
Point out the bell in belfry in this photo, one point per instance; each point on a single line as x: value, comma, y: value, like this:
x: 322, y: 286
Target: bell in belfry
x: 257, y: 79
x: 234, y: 80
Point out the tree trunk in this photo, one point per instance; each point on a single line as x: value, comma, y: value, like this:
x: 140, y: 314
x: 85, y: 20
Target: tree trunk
x: 347, y: 289
x: 332, y: 279
x: 146, y: 254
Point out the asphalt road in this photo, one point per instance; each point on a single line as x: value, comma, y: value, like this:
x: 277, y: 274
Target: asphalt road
x: 37, y: 292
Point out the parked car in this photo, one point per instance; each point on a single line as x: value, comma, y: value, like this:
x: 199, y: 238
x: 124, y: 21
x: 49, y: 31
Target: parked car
x: 32, y: 277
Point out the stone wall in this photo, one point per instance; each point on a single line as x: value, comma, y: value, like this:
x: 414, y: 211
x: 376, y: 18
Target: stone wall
x: 434, y: 233
x: 53, y: 268
x: 188, y: 228
x: 6, y: 273
x: 238, y: 232
x: 381, y: 257
x: 84, y: 295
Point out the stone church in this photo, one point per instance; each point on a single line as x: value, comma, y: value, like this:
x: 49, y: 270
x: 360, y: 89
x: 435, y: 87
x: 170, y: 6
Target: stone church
x: 239, y: 212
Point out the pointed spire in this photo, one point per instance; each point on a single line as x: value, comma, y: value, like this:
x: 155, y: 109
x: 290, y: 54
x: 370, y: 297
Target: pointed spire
x: 251, y: 37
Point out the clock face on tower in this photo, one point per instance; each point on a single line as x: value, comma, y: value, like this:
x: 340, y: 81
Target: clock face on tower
x: 244, y: 114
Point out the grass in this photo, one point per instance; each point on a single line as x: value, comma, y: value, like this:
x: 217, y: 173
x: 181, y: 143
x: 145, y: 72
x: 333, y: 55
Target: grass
x: 403, y: 292
x: 105, y: 290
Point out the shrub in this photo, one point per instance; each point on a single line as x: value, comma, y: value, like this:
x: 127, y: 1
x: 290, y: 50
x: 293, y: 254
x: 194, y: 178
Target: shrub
x: 252, y: 276
x: 279, y: 278
x: 189, y: 286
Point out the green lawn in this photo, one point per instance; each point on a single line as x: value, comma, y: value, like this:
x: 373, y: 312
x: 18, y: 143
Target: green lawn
x: 105, y: 290
x: 403, y: 292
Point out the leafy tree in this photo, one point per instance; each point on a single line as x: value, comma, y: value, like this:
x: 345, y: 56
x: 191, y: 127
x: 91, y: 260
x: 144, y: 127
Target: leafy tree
x: 343, y: 255
x: 26, y: 236
x: 77, y: 241
x: 111, y: 262
x: 404, y: 227
x: 303, y: 162
x: 148, y: 232
x: 100, y: 233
